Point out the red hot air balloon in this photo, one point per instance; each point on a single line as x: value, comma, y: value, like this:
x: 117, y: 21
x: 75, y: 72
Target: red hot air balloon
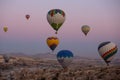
x: 27, y: 16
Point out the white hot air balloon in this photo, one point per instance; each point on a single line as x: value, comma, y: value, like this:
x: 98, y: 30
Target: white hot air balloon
x: 107, y: 51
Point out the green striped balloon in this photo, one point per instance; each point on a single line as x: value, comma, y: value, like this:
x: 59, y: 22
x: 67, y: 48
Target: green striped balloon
x: 107, y: 50
x: 56, y: 18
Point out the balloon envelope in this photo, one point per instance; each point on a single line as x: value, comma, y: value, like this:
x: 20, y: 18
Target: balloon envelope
x: 107, y: 50
x: 5, y: 29
x: 85, y: 29
x: 65, y: 58
x: 56, y: 18
x: 52, y: 42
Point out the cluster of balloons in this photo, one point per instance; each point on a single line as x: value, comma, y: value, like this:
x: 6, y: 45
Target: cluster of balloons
x: 64, y: 57
x: 56, y: 18
x: 5, y: 29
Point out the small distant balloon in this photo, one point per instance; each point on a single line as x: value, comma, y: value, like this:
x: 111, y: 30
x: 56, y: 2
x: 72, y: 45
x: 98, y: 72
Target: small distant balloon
x: 85, y: 29
x: 65, y: 58
x: 27, y: 16
x: 56, y: 18
x: 107, y: 51
x: 5, y: 29
x: 6, y: 58
x: 52, y: 42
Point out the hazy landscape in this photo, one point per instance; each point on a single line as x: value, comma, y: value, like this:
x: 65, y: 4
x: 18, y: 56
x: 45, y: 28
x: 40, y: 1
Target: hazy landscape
x: 46, y: 67
x: 40, y: 38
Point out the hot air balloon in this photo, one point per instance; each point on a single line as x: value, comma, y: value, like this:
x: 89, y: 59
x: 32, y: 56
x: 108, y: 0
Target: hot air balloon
x: 52, y: 42
x: 5, y: 29
x: 56, y: 18
x: 65, y: 57
x: 107, y: 51
x: 6, y: 58
x: 27, y: 16
x: 85, y: 29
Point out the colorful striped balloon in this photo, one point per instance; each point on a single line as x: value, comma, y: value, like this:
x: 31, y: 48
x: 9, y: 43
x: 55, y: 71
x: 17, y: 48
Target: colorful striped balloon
x: 107, y: 50
x: 56, y: 18
x: 52, y: 42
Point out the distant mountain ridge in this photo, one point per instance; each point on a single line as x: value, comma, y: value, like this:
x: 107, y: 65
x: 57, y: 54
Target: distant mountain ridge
x: 15, y: 54
x: 53, y: 56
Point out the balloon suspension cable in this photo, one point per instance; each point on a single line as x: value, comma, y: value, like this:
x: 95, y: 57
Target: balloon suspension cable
x: 52, y: 51
x: 56, y: 32
x: 85, y: 34
x: 107, y: 64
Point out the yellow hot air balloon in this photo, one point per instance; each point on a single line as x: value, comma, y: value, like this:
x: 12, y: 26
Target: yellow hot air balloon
x: 85, y: 29
x: 52, y: 42
x: 5, y: 29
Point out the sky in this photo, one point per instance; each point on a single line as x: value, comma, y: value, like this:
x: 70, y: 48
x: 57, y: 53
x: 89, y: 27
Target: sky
x: 29, y: 36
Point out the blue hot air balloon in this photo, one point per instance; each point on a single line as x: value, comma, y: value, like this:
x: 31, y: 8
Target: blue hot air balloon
x: 65, y: 57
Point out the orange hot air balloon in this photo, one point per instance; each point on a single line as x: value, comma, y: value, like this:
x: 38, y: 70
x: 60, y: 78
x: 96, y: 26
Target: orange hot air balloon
x: 52, y: 42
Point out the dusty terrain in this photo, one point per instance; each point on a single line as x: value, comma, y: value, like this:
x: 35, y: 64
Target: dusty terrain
x: 46, y: 67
